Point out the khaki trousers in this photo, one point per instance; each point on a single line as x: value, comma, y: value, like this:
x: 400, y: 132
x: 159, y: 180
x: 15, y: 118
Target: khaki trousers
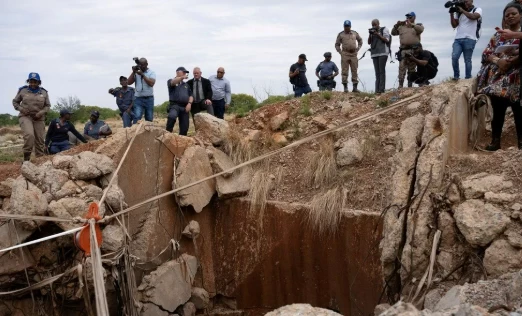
x: 349, y: 61
x: 405, y: 65
x: 34, y: 133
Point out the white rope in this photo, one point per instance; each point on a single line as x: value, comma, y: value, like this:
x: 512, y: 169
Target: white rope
x: 32, y: 242
x: 102, y: 309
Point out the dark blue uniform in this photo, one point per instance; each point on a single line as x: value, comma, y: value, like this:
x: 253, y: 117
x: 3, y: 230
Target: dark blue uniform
x: 179, y: 96
x: 124, y: 100
x: 326, y: 69
x: 57, y: 138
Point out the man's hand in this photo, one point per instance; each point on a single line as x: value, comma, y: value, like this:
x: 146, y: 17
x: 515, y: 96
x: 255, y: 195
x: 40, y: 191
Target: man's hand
x: 111, y: 90
x: 128, y: 110
x: 227, y: 106
x: 188, y: 107
x: 460, y: 9
x: 296, y: 71
x: 208, y: 102
x: 39, y: 115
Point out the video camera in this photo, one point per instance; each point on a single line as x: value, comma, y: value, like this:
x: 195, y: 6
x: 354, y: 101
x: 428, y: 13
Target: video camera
x: 454, y: 4
x: 137, y: 61
x: 372, y: 30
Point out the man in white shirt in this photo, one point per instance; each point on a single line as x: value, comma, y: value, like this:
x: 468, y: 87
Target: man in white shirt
x: 467, y: 21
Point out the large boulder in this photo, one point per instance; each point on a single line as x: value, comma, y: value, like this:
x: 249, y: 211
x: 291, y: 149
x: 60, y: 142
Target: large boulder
x: 115, y: 198
x: 62, y: 162
x: 45, y: 176
x: 6, y: 187
x: 113, y: 238
x: 302, y: 310
x: 200, y: 298
x: 27, y: 199
x: 177, y: 144
x: 480, y: 223
x: 235, y: 186
x: 477, y: 185
x: 277, y: 121
x: 220, y: 161
x: 68, y: 208
x: 211, y: 128
x: 170, y: 285
x: 193, y: 166
x: 153, y: 310
x: 502, y: 258
x: 350, y: 153
x: 88, y: 165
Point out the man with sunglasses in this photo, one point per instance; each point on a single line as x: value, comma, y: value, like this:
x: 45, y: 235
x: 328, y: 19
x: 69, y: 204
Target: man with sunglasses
x: 409, y: 34
x: 221, y: 93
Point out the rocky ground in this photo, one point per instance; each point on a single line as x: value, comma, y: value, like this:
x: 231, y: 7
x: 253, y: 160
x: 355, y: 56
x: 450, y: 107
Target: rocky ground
x: 400, y: 164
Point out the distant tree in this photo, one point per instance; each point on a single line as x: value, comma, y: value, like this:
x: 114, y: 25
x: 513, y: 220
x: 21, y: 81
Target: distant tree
x: 71, y: 103
x: 8, y: 120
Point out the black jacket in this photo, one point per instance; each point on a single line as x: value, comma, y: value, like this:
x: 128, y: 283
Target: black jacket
x: 59, y: 133
x: 207, y: 89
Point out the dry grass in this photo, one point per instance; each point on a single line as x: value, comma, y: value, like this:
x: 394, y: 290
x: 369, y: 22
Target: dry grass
x: 370, y: 145
x: 238, y: 149
x: 325, y: 210
x: 322, y: 168
x: 263, y: 180
x: 8, y: 137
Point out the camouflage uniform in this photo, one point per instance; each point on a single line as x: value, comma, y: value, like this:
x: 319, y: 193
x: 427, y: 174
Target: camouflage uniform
x: 408, y: 35
x: 351, y: 43
x: 31, y: 103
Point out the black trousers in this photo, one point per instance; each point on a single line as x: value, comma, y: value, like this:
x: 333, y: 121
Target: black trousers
x: 176, y: 111
x: 379, y: 64
x: 500, y: 106
x: 423, y: 74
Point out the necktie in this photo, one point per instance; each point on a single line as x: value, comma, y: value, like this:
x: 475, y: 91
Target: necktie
x: 197, y: 91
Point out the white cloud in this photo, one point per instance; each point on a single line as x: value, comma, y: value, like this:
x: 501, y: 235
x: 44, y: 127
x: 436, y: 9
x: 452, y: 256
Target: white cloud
x: 82, y: 47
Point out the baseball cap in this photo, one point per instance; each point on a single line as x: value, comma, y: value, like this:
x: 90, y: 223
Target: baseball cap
x: 33, y: 75
x: 411, y: 14
x: 123, y: 78
x: 347, y: 23
x: 327, y: 54
x: 303, y: 56
x: 65, y: 111
x: 95, y: 114
x: 182, y: 69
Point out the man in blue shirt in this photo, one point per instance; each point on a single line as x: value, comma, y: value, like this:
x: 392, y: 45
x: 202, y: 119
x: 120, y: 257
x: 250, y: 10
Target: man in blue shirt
x: 326, y: 71
x: 124, y: 100
x: 298, y: 77
x: 180, y: 101
x: 145, y: 80
x: 221, y: 93
x: 96, y: 128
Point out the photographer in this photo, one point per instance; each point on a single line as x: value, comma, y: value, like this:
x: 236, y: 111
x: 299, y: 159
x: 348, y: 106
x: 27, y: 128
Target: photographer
x: 409, y: 34
x: 180, y: 101
x: 467, y: 21
x: 427, y: 65
x: 379, y: 41
x: 326, y: 71
x: 145, y: 80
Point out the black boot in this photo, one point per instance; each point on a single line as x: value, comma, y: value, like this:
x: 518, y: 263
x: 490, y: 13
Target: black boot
x: 355, y: 88
x: 410, y: 84
x: 27, y: 156
x: 345, y: 85
x: 494, y: 146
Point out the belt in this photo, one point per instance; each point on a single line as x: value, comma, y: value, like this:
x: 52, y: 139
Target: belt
x: 149, y: 96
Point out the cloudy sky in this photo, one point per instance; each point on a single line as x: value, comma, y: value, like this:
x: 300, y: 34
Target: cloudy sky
x: 82, y: 47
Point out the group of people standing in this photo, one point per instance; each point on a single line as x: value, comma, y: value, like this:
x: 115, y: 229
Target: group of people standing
x: 198, y: 94
x: 498, y: 80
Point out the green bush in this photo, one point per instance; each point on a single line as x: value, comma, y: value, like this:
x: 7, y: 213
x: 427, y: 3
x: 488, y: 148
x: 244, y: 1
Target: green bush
x: 161, y: 109
x: 51, y: 115
x: 242, y: 104
x: 305, y: 105
x: 8, y: 120
x: 83, y: 113
x: 276, y: 98
x: 327, y: 95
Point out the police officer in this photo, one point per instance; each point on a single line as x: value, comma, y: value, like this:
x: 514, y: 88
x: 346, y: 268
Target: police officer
x: 32, y: 101
x: 96, y: 128
x: 57, y: 138
x: 124, y: 100
x: 351, y: 43
x: 180, y: 101
x: 298, y: 78
x: 326, y: 71
x: 409, y: 34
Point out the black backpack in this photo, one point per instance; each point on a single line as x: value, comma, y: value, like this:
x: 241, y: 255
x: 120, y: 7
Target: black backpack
x: 479, y: 23
x: 433, y: 62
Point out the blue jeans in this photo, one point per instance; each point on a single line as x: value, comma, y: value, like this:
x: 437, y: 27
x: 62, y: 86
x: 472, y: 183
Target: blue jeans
x: 466, y: 46
x: 219, y: 108
x: 143, y: 105
x: 299, y: 91
x: 126, y: 118
x: 57, y: 147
